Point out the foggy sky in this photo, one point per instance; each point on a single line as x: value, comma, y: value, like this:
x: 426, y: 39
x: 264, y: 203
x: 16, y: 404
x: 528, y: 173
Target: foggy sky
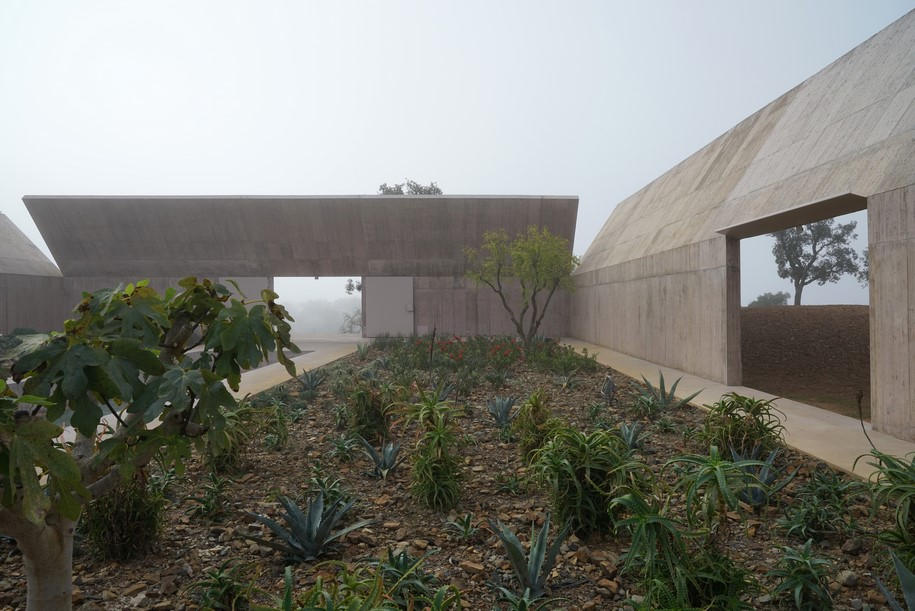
x: 594, y: 99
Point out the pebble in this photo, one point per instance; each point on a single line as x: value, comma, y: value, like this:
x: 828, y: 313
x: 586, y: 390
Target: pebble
x: 471, y: 567
x: 852, y: 546
x: 137, y: 587
x: 849, y: 579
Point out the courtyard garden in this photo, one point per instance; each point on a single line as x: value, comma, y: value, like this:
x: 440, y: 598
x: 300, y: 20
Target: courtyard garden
x: 484, y: 473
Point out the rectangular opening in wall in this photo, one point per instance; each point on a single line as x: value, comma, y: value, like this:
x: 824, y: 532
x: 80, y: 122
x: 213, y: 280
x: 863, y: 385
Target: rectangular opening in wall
x: 804, y: 315
x: 322, y: 307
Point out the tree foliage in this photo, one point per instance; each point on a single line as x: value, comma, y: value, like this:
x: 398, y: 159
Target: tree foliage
x: 134, y: 374
x: 536, y: 261
x: 818, y: 252
x: 410, y: 187
x: 770, y: 299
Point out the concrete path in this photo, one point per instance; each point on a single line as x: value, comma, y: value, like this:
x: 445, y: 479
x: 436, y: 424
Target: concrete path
x: 835, y: 439
x: 322, y: 352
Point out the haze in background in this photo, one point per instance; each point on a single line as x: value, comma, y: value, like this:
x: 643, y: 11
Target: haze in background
x: 591, y: 98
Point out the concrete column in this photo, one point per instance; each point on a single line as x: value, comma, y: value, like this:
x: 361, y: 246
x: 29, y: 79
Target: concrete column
x: 733, y: 365
x: 891, y: 243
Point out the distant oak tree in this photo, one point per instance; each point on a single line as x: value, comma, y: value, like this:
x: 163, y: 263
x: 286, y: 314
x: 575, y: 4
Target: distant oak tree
x: 770, y: 299
x: 525, y: 272
x: 818, y: 252
x: 410, y: 187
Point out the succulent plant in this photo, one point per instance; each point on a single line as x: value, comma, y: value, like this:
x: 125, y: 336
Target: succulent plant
x: 311, y: 532
x: 501, y: 410
x: 532, y: 570
x: 384, y: 461
x: 631, y: 434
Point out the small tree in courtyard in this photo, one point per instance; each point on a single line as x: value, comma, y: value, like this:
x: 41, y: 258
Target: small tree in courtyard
x: 818, y: 252
x: 156, y: 368
x: 535, y: 264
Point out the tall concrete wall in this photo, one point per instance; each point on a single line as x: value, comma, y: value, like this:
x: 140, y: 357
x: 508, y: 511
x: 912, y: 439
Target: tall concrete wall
x: 455, y: 306
x: 44, y: 302
x: 661, y: 280
x: 891, y: 239
x: 671, y: 308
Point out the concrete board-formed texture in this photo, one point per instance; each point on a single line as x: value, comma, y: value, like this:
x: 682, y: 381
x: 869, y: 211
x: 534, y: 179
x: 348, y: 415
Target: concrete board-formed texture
x: 103, y: 241
x: 661, y: 280
x: 283, y: 236
x: 18, y: 255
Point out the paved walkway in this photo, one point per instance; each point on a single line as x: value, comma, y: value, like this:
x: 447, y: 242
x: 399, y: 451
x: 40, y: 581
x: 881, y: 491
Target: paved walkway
x: 835, y: 439
x: 322, y: 352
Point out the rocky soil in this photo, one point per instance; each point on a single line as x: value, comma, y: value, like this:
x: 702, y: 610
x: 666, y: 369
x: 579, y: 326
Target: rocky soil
x: 587, y: 575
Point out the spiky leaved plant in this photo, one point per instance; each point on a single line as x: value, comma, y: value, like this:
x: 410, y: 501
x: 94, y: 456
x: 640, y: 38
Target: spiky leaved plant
x: 384, y: 461
x: 906, y: 582
x: 803, y: 576
x: 584, y: 472
x: 311, y: 382
x: 743, y: 424
x: 766, y: 474
x: 713, y: 483
x: 500, y: 408
x: 632, y: 434
x: 311, y: 533
x: 652, y: 400
x: 532, y: 570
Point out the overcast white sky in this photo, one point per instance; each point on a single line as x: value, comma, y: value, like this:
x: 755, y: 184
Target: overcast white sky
x: 594, y: 99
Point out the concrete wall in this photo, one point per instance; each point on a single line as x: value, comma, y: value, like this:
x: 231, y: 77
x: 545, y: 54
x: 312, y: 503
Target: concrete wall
x: 44, y: 302
x: 387, y: 306
x: 673, y: 308
x: 891, y: 239
x: 455, y: 306
x: 283, y: 236
x: 661, y: 279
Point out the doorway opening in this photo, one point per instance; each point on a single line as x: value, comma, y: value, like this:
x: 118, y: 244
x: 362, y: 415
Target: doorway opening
x: 817, y: 352
x: 321, y: 307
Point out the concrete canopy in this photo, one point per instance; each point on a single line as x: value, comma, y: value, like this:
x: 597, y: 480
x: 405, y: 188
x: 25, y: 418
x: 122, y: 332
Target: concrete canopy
x: 18, y: 255
x: 283, y: 236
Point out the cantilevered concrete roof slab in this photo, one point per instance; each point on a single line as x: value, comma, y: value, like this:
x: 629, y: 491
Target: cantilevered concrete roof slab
x: 284, y: 235
x: 849, y: 129
x: 18, y: 255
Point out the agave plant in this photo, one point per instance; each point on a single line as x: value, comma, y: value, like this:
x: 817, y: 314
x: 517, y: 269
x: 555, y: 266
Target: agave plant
x: 765, y: 473
x: 384, y: 461
x: 651, y: 400
x: 906, y: 581
x: 631, y: 434
x: 310, y: 381
x: 531, y: 570
x: 500, y: 408
x: 311, y: 532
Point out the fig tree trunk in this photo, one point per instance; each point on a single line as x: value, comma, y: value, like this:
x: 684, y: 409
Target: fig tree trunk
x: 47, y: 552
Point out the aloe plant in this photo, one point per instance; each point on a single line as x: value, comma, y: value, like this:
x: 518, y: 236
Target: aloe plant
x: 384, y: 461
x: 531, y: 570
x: 311, y: 532
x: 500, y: 408
x: 713, y: 483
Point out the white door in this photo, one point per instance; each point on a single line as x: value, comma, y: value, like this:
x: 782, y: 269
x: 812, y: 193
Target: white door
x: 388, y: 305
